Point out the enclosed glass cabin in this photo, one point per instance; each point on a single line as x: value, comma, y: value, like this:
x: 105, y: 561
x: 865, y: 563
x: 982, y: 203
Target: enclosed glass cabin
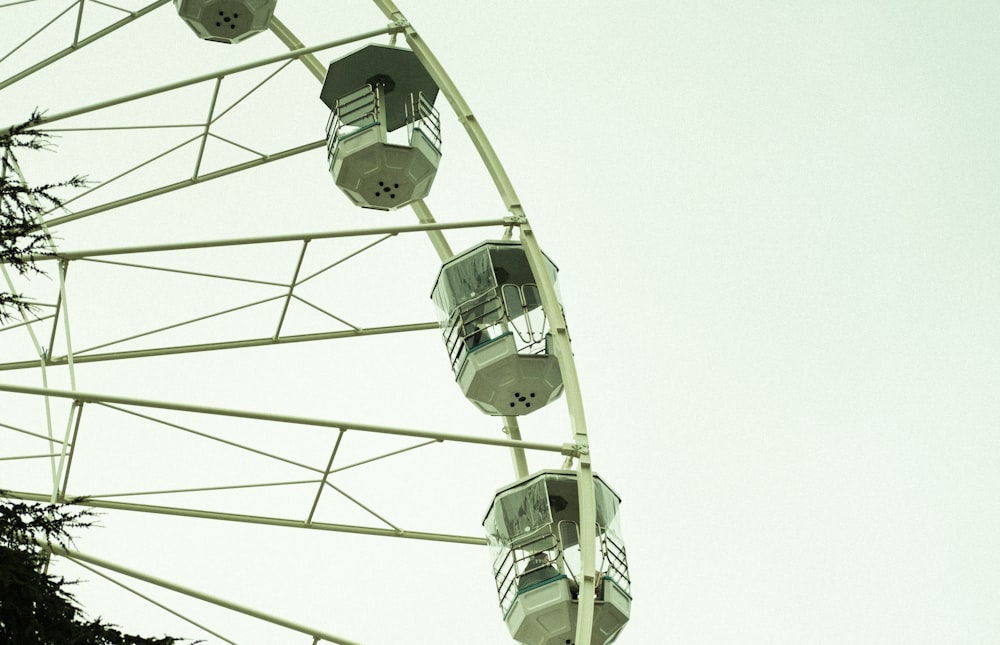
x: 226, y: 21
x: 495, y: 330
x: 533, y: 530
x: 371, y: 93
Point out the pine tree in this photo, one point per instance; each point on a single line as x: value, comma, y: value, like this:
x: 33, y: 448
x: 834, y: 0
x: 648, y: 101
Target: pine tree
x: 37, y: 608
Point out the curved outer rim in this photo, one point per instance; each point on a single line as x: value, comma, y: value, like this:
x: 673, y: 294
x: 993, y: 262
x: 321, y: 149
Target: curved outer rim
x: 550, y: 304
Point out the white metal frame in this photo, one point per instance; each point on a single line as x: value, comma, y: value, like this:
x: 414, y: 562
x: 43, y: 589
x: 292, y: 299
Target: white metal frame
x: 60, y: 451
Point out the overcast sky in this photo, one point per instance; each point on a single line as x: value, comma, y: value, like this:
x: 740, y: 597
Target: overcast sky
x: 777, y: 226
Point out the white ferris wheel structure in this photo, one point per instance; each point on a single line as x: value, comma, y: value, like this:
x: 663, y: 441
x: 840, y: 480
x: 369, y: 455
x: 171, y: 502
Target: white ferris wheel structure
x: 230, y: 342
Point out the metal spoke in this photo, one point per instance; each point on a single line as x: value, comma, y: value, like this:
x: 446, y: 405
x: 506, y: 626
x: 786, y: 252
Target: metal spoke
x: 78, y: 45
x: 32, y: 36
x: 103, y: 574
x: 253, y: 519
x: 77, y: 556
x: 106, y: 399
x: 222, y: 345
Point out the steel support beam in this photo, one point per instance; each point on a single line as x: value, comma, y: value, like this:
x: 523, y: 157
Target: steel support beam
x: 217, y: 346
x: 90, y: 397
x: 187, y: 183
x: 187, y: 591
x: 251, y: 519
x: 79, y: 44
x: 293, y: 54
x: 271, y: 239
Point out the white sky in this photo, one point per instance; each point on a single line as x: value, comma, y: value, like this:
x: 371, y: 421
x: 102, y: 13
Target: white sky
x: 777, y: 232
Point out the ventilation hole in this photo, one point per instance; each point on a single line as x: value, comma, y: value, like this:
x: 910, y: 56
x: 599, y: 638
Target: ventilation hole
x: 393, y: 196
x: 532, y: 395
x: 221, y: 14
x: 235, y: 16
x: 527, y: 405
x: 511, y: 405
x: 522, y: 399
x: 377, y: 194
x: 232, y: 26
x: 517, y: 394
x: 227, y: 19
x: 396, y: 185
x: 381, y: 183
x: 218, y: 24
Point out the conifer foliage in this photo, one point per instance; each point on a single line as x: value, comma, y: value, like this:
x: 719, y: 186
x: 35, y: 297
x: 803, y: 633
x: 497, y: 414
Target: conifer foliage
x: 37, y: 608
x: 21, y: 205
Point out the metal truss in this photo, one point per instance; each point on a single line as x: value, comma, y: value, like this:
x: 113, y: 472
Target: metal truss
x: 44, y: 327
x: 287, y: 288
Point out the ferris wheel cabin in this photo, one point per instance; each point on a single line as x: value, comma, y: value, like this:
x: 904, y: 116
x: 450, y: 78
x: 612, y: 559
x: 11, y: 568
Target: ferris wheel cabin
x: 533, y: 530
x: 495, y: 329
x: 372, y: 93
x: 226, y: 21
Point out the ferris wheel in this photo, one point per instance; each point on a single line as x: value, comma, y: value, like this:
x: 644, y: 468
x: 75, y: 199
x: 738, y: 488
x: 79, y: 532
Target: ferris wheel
x: 240, y: 351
